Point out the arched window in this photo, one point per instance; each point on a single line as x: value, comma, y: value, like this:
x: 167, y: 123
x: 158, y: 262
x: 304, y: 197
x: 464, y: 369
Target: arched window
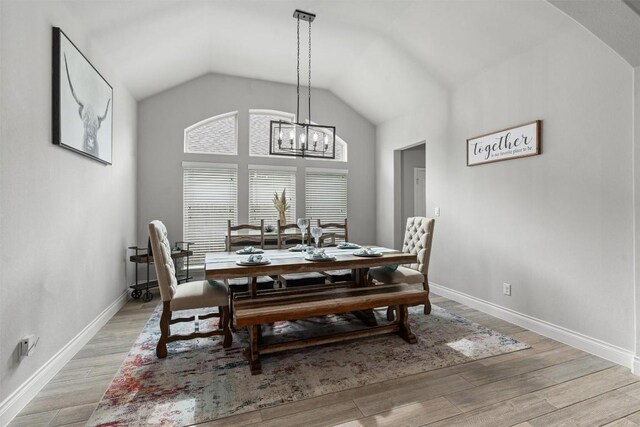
x: 215, y: 135
x: 341, y: 148
x: 259, y: 127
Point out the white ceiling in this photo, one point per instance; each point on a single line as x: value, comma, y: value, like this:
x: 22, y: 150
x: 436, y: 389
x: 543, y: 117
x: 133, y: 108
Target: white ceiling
x: 380, y: 56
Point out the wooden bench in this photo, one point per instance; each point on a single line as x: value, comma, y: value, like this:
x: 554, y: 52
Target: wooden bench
x: 254, y: 312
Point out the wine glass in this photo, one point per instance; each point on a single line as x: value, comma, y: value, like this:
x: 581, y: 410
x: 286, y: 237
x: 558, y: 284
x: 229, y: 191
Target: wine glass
x: 316, y: 232
x: 303, y: 224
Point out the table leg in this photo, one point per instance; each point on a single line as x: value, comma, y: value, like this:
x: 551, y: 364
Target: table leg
x: 254, y: 357
x: 254, y: 287
x: 403, y: 321
x: 366, y: 316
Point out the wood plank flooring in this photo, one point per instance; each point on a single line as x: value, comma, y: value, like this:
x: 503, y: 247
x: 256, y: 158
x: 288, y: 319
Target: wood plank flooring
x: 550, y: 384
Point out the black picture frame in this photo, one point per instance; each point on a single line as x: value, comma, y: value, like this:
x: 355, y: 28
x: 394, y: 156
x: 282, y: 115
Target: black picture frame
x: 82, y: 102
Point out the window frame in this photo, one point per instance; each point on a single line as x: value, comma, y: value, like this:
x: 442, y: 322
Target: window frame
x: 209, y: 120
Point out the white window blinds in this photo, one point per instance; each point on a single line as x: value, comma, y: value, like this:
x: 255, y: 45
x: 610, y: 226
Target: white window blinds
x: 259, y: 127
x: 216, y: 135
x: 210, y: 199
x: 326, y: 195
x: 263, y: 182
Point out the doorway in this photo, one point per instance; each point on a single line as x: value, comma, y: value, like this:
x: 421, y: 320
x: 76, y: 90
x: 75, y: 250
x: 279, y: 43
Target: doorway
x: 412, y: 186
x: 419, y: 192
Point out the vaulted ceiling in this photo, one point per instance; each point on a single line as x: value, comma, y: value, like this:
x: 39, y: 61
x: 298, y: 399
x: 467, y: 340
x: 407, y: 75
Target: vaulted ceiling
x: 383, y: 57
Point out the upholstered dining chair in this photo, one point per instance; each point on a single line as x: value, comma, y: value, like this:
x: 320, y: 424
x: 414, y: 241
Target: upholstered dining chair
x: 418, y: 237
x: 329, y: 239
x: 287, y: 239
x: 239, y: 241
x: 187, y: 296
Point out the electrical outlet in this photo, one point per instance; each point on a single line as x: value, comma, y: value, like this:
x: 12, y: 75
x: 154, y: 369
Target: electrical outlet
x: 436, y: 211
x: 27, y: 344
x: 506, y: 289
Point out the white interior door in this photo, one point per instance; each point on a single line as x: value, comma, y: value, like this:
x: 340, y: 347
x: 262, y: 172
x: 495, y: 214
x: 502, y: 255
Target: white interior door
x: 419, y: 192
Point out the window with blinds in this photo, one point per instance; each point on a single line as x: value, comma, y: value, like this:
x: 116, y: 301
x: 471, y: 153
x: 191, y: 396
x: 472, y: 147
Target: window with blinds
x: 259, y: 127
x: 216, y: 135
x: 264, y: 181
x: 210, y: 197
x: 326, y: 195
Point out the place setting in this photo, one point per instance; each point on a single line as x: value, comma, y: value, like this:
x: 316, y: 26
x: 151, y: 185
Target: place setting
x: 248, y: 250
x: 348, y: 245
x: 368, y: 252
x: 256, y: 259
x: 318, y: 255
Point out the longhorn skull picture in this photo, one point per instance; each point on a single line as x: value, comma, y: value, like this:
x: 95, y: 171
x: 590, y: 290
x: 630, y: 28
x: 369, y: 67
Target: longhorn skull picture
x: 90, y: 119
x: 82, y: 102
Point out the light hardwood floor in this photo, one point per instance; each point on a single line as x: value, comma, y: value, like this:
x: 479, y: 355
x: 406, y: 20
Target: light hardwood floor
x: 550, y: 384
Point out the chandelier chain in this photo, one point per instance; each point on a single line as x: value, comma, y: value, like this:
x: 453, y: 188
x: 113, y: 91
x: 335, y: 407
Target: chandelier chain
x: 309, y: 72
x: 298, y: 73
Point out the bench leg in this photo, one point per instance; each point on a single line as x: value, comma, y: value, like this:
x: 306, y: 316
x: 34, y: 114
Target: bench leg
x: 403, y: 322
x: 254, y: 356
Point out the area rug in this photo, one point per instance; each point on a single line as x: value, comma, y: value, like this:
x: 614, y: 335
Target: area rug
x: 200, y: 381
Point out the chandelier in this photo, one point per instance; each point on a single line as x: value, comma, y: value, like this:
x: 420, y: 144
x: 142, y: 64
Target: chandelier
x: 302, y: 139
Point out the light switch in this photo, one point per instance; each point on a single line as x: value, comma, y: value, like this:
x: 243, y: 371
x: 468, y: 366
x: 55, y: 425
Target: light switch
x: 436, y: 211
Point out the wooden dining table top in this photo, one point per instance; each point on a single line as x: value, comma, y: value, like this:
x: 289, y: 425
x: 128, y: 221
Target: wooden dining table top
x: 222, y: 265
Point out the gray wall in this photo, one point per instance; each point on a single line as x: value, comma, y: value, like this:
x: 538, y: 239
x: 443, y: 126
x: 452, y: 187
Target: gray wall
x: 558, y: 227
x: 66, y: 219
x: 162, y: 119
x: 411, y: 158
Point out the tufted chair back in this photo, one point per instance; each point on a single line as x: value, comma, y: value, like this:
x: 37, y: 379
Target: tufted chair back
x: 165, y: 270
x: 417, y: 240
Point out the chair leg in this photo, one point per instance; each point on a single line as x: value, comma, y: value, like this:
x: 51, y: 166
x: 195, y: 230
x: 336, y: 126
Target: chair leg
x: 231, y: 325
x: 228, y: 338
x: 165, y: 321
x: 427, y: 304
x: 390, y: 313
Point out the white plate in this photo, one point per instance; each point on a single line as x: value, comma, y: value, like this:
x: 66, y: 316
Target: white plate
x: 247, y: 263
x: 310, y: 258
x: 296, y: 249
x: 368, y: 255
x: 255, y: 251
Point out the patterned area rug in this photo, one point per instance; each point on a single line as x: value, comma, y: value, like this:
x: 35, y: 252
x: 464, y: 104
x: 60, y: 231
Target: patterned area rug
x: 200, y: 381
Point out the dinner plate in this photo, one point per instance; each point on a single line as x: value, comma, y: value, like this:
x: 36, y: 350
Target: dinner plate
x: 255, y: 251
x: 297, y: 249
x: 367, y: 255
x: 247, y: 263
x: 310, y: 258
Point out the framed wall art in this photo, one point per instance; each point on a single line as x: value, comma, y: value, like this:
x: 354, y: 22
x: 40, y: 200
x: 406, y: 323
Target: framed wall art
x: 511, y: 143
x: 82, y: 102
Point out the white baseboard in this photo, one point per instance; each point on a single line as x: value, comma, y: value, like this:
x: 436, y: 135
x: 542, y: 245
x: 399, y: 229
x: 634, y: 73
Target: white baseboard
x: 636, y: 365
x: 17, y: 400
x: 594, y: 346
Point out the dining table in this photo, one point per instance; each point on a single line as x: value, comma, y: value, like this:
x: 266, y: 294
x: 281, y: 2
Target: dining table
x: 224, y: 265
